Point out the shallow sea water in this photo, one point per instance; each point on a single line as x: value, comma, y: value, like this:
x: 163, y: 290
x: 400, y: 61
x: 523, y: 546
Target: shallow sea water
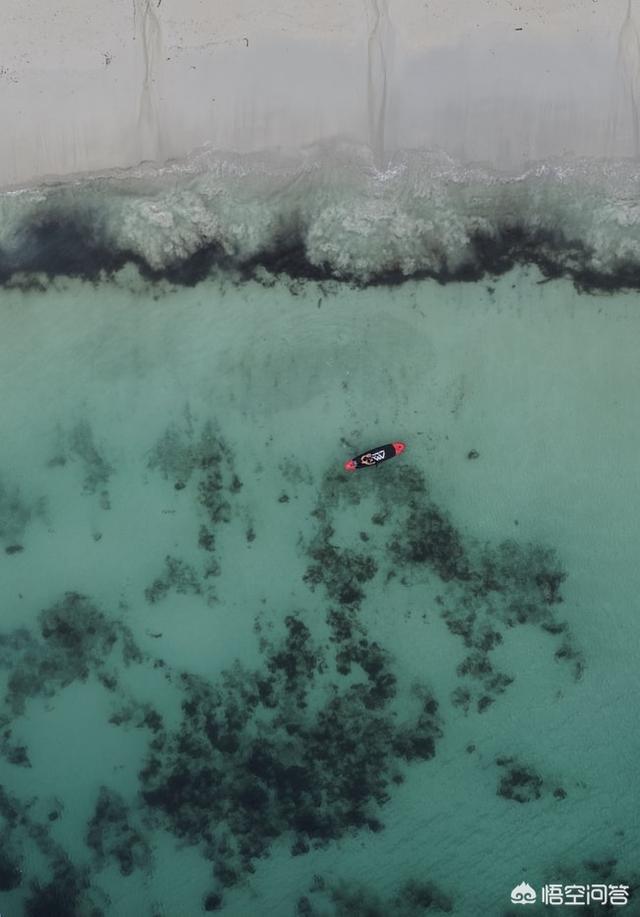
x: 239, y: 679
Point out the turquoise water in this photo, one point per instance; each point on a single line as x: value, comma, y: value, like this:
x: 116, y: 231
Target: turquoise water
x: 238, y: 679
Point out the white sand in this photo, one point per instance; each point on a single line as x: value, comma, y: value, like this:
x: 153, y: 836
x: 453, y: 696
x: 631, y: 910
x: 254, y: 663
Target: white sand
x: 94, y: 86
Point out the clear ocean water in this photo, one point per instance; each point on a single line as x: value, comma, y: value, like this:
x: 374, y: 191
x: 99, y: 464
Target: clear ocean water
x: 238, y: 679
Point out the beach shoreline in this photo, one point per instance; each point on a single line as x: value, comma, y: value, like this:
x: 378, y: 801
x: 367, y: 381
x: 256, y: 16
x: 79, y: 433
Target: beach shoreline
x: 152, y: 82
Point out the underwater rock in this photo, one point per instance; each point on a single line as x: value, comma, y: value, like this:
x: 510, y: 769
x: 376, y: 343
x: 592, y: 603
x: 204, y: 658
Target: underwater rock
x: 14, y: 643
x: 15, y: 515
x: 295, y: 472
x: 416, y: 897
x: 75, y: 627
x: 343, y: 624
x: 284, y: 751
x: 567, y: 653
x: 376, y: 663
x: 206, y: 539
x: 461, y: 697
x: 419, y: 741
x: 341, y: 572
x: 14, y: 549
x: 489, y: 588
x: 66, y: 895
x: 602, y: 869
x: 477, y: 665
x: 304, y: 907
x: 297, y: 660
x: 97, y: 471
x: 175, y: 454
x: 429, y: 538
x: 180, y: 455
x: 212, y: 902
x: 111, y: 835
x: 520, y: 783
x: 16, y: 754
x: 140, y: 715
x: 179, y: 576
x: 413, y: 898
x: 484, y: 702
x: 77, y: 638
x: 10, y: 809
x: 10, y: 872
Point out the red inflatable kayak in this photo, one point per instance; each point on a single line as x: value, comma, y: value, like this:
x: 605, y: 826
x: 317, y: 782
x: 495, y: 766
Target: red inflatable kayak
x: 374, y: 456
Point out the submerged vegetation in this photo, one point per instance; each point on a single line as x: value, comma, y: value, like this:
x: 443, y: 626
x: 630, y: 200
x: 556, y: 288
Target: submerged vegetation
x: 307, y: 746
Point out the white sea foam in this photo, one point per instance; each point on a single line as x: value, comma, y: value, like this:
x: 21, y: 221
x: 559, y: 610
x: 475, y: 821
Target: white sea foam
x: 424, y: 213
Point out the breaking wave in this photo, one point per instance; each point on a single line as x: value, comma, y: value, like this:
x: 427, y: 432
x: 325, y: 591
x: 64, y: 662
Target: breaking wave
x: 329, y: 213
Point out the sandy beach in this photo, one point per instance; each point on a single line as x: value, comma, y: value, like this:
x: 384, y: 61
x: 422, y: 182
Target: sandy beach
x: 112, y: 85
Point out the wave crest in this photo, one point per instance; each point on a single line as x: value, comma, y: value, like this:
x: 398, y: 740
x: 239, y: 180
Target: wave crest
x: 327, y: 212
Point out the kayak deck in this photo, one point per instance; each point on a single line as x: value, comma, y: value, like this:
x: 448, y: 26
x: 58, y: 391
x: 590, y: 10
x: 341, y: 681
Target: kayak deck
x: 374, y: 457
